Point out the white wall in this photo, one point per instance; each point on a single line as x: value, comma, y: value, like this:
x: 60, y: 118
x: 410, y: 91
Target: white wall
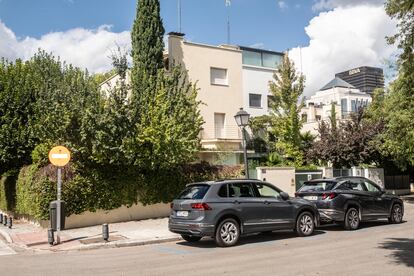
x: 256, y: 81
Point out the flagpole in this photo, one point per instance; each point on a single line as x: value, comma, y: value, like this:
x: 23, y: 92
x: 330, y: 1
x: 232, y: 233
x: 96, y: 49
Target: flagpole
x: 228, y: 4
x: 179, y: 15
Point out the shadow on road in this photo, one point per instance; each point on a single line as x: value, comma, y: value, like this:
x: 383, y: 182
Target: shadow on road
x: 362, y: 226
x: 250, y: 239
x: 402, y: 250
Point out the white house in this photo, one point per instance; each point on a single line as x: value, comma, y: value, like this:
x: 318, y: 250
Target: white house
x: 346, y: 98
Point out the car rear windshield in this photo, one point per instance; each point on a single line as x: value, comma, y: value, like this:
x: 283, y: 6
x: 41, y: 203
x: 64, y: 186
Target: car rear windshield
x: 317, y: 186
x: 194, y: 192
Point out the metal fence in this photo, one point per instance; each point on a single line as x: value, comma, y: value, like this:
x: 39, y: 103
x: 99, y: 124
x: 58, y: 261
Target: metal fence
x: 396, y: 182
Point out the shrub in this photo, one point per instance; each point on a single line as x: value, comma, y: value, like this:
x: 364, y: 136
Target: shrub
x: 8, y: 191
x: 109, y: 187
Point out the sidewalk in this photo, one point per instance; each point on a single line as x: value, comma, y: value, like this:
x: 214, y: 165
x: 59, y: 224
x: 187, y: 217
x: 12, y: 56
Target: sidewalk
x: 408, y: 198
x: 31, y: 237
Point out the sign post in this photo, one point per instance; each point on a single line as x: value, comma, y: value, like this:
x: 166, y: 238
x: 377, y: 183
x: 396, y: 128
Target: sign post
x: 59, y: 156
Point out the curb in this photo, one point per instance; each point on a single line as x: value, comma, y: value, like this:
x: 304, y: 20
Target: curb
x: 117, y: 244
x: 6, y: 236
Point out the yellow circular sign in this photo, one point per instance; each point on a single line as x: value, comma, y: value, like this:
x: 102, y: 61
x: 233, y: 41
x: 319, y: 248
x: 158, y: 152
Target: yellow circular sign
x: 59, y: 156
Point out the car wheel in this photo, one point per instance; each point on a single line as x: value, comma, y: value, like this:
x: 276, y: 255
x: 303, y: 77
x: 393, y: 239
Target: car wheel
x: 191, y: 238
x: 227, y: 233
x: 396, y: 214
x: 305, y: 224
x: 351, y: 219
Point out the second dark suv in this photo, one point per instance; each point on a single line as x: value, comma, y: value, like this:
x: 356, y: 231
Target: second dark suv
x: 227, y: 209
x: 350, y: 200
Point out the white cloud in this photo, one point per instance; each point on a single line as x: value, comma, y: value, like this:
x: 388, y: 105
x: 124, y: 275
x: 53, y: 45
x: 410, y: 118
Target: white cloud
x: 331, y: 4
x: 282, y: 5
x: 81, y: 47
x: 342, y: 39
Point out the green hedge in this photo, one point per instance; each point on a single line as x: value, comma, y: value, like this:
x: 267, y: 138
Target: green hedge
x: 8, y: 191
x: 107, y: 188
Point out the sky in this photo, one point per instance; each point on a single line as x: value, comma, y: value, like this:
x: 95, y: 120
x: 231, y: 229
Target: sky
x: 322, y: 36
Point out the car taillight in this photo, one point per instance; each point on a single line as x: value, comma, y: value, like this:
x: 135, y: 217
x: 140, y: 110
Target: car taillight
x: 296, y: 194
x: 328, y: 196
x: 200, y: 206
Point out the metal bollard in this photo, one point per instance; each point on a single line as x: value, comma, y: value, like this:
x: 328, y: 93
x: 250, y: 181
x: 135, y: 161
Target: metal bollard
x: 10, y: 222
x: 50, y: 236
x: 1, y: 218
x: 105, y: 231
x: 4, y: 220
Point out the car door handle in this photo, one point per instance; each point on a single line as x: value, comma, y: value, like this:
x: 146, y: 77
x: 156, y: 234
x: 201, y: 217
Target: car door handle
x: 236, y: 202
x: 266, y: 202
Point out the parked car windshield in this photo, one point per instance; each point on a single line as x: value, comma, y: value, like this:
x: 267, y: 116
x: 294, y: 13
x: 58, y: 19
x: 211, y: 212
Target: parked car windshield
x: 317, y: 186
x: 194, y: 192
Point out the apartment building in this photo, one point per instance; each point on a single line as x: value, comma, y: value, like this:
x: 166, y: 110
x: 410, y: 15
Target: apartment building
x: 365, y: 78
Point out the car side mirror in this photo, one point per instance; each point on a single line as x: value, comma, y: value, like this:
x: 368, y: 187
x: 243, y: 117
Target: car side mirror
x: 284, y: 196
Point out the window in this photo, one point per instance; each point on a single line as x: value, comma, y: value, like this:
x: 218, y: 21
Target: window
x: 317, y: 186
x: 304, y: 118
x: 344, y: 106
x: 194, y: 192
x: 354, y: 185
x: 262, y: 59
x: 353, y: 106
x: 223, y: 191
x: 241, y: 190
x: 255, y: 100
x: 271, y: 60
x: 252, y: 58
x: 267, y: 191
x: 218, y: 76
x: 219, y: 119
x: 371, y: 187
x: 270, y: 100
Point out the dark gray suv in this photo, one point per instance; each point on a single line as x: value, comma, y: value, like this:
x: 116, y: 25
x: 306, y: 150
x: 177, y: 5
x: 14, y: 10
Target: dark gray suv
x: 350, y: 200
x: 227, y: 209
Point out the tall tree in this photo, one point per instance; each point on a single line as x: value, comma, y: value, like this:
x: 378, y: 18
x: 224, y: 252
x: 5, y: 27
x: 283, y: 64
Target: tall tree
x: 396, y: 106
x: 147, y: 53
x: 285, y: 123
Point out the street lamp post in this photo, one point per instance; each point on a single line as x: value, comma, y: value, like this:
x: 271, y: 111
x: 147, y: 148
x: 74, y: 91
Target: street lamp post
x: 242, y: 120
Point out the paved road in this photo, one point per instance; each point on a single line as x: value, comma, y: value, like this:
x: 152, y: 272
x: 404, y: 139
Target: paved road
x: 376, y: 249
x: 5, y: 250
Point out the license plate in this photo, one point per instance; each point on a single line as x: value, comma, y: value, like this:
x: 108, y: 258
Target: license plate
x: 311, y: 197
x: 182, y: 213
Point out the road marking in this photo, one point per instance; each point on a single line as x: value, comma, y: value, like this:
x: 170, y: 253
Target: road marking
x: 171, y: 250
x: 5, y: 250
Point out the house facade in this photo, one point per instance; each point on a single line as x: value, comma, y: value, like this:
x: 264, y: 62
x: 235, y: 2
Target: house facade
x: 228, y: 77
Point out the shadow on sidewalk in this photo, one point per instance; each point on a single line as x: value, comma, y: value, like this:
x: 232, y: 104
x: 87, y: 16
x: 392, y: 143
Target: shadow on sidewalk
x: 402, y: 250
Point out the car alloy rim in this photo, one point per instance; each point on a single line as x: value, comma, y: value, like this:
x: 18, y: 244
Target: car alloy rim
x: 353, y: 218
x: 397, y: 214
x: 228, y: 232
x: 306, y: 224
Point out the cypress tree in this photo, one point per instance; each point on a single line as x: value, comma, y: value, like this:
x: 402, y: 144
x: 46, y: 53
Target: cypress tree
x: 147, y: 52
